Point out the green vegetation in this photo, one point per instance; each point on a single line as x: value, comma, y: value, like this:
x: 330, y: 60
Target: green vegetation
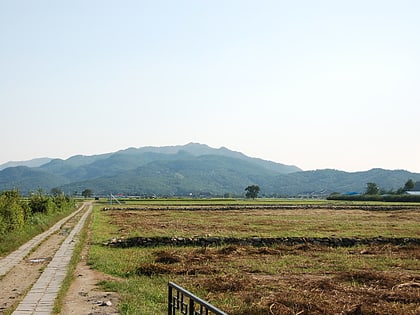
x: 13, y: 212
x: 87, y: 193
x: 372, y: 189
x: 374, y: 193
x: 281, y: 279
x: 252, y: 191
x: 21, y: 218
x: 376, y: 198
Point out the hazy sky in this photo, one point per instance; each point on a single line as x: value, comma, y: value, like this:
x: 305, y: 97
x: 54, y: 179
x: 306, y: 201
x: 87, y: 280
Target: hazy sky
x: 318, y: 84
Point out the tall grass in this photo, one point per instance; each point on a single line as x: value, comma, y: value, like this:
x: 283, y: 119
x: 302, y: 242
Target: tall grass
x: 38, y: 223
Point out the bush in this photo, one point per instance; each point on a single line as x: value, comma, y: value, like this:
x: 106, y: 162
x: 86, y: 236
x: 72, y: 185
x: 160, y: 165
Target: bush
x: 62, y: 202
x: 15, y: 212
x: 12, y: 211
x: 39, y: 203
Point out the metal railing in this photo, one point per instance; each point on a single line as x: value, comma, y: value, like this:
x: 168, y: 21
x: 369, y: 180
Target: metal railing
x: 187, y: 303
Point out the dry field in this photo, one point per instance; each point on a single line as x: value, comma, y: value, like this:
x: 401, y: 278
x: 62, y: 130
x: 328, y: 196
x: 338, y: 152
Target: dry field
x: 280, y: 279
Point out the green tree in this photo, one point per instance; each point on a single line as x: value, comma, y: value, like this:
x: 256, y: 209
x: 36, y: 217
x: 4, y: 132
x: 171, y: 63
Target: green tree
x: 87, y: 193
x: 62, y: 202
x: 13, y: 211
x: 372, y: 189
x: 252, y: 191
x: 409, y: 185
x: 39, y: 203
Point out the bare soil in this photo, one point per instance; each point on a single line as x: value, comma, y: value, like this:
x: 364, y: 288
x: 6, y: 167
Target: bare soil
x: 85, y: 296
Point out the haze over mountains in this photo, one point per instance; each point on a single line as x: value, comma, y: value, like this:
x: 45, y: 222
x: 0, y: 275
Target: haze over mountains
x: 192, y: 169
x: 30, y: 163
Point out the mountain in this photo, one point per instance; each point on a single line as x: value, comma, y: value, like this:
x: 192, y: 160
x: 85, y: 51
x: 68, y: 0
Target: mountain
x: 199, y: 175
x: 30, y: 163
x: 79, y: 168
x: 27, y: 179
x: 195, y: 169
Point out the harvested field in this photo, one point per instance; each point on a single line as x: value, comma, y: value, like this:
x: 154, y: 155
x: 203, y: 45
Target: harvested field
x: 267, y: 223
x: 279, y: 279
x: 292, y: 280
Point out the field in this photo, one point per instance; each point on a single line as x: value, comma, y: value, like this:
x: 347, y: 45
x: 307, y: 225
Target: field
x: 304, y: 278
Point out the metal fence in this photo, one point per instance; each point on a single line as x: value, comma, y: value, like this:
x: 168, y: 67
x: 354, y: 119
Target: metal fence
x: 186, y: 303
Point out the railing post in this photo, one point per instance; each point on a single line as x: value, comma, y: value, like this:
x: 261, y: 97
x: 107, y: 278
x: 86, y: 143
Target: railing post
x: 191, y: 311
x: 188, y: 307
x: 169, y: 300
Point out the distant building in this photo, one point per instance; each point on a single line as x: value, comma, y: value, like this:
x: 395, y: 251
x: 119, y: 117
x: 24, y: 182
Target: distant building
x: 415, y: 190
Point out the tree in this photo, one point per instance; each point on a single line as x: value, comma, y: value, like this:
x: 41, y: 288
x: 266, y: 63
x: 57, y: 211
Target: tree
x: 87, y: 193
x: 409, y: 185
x: 39, y: 203
x: 252, y: 191
x: 372, y: 189
x: 13, y: 211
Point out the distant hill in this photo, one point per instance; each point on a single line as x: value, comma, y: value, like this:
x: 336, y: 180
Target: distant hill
x: 181, y: 175
x: 79, y: 168
x: 327, y: 181
x: 30, y: 163
x: 192, y: 169
x: 27, y: 179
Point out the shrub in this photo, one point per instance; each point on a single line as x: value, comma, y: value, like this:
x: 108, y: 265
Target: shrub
x: 12, y: 211
x: 39, y: 203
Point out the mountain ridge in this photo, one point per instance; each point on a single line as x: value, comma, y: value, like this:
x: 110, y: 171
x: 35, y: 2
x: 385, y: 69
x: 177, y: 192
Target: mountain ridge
x: 191, y: 169
x: 29, y: 163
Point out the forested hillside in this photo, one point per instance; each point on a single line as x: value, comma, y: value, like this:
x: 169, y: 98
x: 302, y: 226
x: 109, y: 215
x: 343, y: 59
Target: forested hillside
x: 193, y: 169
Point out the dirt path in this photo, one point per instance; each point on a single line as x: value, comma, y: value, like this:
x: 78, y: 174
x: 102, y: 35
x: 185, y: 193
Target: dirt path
x: 85, y: 297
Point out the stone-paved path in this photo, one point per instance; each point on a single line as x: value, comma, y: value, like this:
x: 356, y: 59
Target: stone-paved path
x: 40, y: 299
x: 8, y: 262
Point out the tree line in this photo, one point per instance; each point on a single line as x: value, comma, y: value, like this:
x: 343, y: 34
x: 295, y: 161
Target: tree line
x: 374, y: 193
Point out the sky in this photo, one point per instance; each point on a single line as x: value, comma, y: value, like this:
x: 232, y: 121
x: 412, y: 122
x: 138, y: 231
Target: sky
x: 312, y: 83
